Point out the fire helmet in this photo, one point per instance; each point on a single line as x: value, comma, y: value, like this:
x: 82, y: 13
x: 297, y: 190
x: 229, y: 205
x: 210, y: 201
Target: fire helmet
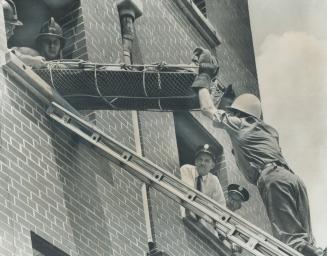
x: 51, y: 28
x: 10, y: 13
x: 249, y: 104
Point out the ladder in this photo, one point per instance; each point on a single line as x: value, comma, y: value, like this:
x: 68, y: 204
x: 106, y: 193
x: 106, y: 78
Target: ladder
x: 234, y: 228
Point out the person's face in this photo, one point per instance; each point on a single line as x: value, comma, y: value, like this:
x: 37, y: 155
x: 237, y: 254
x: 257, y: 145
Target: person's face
x: 204, y: 163
x: 237, y: 113
x: 233, y: 204
x: 9, y: 30
x: 50, y: 47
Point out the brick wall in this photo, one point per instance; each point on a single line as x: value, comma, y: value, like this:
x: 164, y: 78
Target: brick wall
x: 102, y: 28
x: 233, y: 25
x: 57, y: 186
x: 73, y: 27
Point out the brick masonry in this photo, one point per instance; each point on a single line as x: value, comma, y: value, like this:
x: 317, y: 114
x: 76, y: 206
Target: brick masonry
x: 59, y: 187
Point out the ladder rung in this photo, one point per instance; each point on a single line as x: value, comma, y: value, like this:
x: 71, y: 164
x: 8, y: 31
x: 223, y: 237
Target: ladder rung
x: 126, y: 156
x: 225, y: 217
x: 191, y: 195
x: 96, y: 137
x: 252, y: 243
x: 158, y: 175
x: 66, y: 118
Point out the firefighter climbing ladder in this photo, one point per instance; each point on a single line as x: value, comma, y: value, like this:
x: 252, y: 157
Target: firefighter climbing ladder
x: 232, y: 227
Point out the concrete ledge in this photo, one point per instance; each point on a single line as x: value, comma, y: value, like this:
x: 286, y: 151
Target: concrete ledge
x: 207, y: 235
x: 199, y: 21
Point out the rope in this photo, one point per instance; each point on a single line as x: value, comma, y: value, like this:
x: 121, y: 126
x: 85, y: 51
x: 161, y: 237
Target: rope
x: 159, y: 80
x: 82, y: 63
x: 159, y: 105
x: 129, y: 97
x: 144, y: 88
x: 51, y: 76
x: 98, y: 89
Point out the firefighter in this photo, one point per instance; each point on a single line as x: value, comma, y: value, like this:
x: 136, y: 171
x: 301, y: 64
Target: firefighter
x: 11, y: 18
x: 27, y: 55
x: 259, y: 158
x: 50, y: 40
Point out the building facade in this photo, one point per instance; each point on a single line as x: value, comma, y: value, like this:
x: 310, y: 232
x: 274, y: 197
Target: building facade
x: 57, y: 191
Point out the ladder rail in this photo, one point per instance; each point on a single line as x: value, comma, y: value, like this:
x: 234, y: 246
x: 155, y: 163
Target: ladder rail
x: 235, y: 228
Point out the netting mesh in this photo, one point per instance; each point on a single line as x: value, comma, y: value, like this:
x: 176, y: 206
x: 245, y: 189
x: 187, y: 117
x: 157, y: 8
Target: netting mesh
x: 112, y: 87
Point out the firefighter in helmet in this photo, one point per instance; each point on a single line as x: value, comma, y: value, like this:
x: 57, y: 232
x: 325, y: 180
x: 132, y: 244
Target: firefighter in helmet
x: 259, y: 157
x: 11, y: 18
x: 28, y: 55
x: 50, y: 40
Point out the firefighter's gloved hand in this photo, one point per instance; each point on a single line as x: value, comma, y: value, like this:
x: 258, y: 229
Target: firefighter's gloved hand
x: 208, y: 68
x: 206, y: 61
x: 201, y: 55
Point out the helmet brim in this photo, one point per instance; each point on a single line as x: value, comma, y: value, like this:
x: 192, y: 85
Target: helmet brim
x: 15, y: 22
x: 240, y: 110
x: 62, y: 39
x: 233, y: 108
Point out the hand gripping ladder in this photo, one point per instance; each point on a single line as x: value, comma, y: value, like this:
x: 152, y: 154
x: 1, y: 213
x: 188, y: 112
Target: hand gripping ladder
x: 230, y: 225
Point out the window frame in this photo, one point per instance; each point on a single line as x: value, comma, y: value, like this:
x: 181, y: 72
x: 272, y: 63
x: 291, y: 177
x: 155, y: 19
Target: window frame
x: 45, y: 248
x: 200, y: 22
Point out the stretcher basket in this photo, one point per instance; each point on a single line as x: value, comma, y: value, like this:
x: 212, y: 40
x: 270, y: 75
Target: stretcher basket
x: 94, y: 86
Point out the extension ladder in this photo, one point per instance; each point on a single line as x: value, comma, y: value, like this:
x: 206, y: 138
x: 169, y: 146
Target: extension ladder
x: 234, y: 228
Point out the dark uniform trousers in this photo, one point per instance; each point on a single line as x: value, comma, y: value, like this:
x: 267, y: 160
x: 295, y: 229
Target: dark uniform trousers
x: 287, y: 205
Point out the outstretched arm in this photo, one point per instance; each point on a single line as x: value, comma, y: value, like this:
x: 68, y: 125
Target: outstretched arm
x: 206, y: 103
x: 29, y: 56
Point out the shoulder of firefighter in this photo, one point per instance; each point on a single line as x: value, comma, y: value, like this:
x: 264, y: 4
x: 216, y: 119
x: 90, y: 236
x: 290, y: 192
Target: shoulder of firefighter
x: 223, y: 119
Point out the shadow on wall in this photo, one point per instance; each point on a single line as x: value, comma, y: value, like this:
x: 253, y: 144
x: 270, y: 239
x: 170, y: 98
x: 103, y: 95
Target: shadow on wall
x: 79, y: 167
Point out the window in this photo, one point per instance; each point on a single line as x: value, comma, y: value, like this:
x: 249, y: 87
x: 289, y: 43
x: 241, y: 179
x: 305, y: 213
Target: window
x: 42, y: 247
x: 196, y: 12
x: 34, y: 13
x: 201, y: 4
x: 189, y: 135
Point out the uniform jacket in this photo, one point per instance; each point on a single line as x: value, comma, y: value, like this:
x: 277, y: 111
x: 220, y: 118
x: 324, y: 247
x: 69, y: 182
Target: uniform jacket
x: 210, y: 183
x: 255, y: 143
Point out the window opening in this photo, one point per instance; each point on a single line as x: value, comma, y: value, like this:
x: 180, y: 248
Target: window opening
x: 201, y: 4
x: 35, y: 13
x: 42, y: 247
x: 189, y: 135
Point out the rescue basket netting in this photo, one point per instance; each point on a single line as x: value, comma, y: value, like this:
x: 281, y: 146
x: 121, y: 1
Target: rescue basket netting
x: 120, y: 87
